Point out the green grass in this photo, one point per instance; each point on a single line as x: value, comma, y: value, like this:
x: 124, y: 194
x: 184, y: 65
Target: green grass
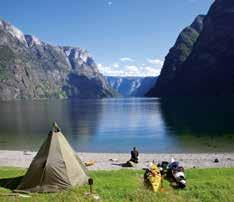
x: 127, y: 185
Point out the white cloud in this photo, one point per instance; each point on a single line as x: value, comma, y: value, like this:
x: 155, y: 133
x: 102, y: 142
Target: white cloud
x: 129, y: 67
x: 129, y: 70
x: 116, y: 65
x: 156, y: 61
x: 109, y: 3
x: 109, y: 70
x: 126, y: 59
x: 152, y: 71
x: 132, y: 70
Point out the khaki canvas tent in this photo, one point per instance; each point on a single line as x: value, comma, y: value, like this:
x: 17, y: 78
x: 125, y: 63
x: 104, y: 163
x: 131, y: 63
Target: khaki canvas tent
x: 55, y: 167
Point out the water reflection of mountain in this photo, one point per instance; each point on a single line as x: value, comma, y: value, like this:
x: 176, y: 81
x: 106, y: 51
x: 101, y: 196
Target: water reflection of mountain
x: 206, y: 122
x: 24, y: 125
x: 115, y: 125
x: 199, y: 116
x: 83, y: 118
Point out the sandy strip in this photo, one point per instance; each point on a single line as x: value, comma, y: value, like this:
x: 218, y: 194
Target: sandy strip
x: 203, y: 160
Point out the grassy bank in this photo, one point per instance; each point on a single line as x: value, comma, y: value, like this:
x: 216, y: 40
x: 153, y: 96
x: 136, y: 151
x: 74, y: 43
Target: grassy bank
x: 127, y: 185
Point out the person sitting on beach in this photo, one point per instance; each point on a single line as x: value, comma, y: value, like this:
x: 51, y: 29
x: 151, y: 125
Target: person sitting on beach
x: 134, y: 155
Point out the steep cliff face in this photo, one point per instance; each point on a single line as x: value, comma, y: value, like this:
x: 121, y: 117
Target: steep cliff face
x: 208, y: 70
x: 132, y: 86
x: 33, y: 69
x: 177, y: 55
x: 146, y: 84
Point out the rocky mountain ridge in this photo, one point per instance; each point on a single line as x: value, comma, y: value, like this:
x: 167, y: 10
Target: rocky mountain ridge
x: 33, y: 69
x: 177, y: 56
x: 208, y: 69
x: 132, y: 86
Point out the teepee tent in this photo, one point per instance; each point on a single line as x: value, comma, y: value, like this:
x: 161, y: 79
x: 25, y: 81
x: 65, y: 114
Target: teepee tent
x: 55, y: 167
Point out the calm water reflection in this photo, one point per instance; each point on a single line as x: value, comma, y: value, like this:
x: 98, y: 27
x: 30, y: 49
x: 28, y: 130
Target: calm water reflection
x: 115, y: 125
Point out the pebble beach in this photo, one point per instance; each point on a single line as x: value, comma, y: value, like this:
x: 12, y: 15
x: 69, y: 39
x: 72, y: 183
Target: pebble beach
x: 114, y: 161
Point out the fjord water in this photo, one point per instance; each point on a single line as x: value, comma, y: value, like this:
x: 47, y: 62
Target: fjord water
x: 116, y: 125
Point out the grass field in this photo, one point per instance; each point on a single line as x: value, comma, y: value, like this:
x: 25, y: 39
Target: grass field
x: 127, y: 185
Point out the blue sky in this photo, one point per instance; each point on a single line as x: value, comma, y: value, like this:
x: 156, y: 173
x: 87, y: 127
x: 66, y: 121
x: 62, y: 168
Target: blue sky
x: 125, y: 37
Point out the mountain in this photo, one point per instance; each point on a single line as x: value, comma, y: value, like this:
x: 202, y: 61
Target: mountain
x: 33, y: 69
x: 177, y: 56
x: 208, y: 71
x: 132, y: 86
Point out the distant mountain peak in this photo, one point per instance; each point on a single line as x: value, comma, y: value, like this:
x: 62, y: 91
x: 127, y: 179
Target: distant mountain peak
x: 33, y: 69
x: 76, y: 53
x: 132, y: 86
x: 13, y: 31
x: 206, y: 68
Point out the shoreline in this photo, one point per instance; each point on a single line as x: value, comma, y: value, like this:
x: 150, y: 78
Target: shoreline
x: 102, y: 160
